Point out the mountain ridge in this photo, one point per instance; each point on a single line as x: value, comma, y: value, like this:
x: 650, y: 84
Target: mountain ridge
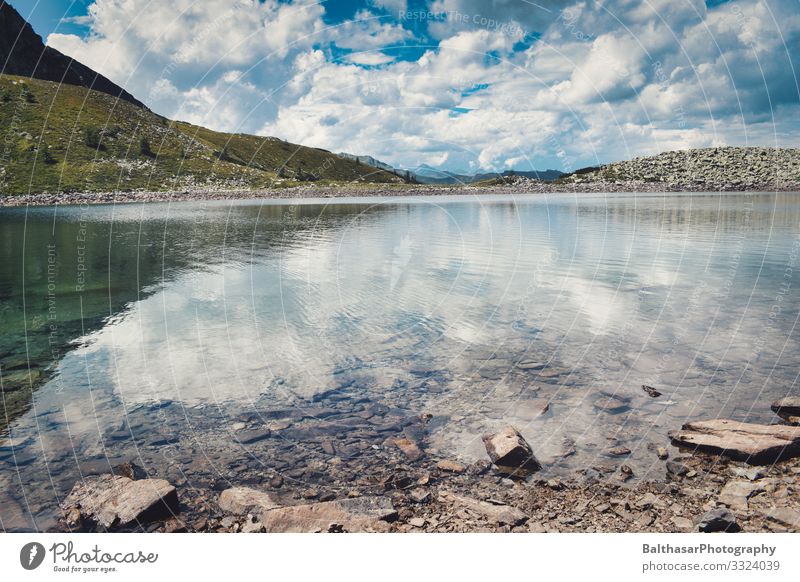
x: 23, y: 53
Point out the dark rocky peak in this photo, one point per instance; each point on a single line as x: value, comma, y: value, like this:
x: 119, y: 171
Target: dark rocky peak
x: 23, y: 53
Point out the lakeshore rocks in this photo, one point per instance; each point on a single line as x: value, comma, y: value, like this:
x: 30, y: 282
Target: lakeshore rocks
x: 116, y: 501
x: 718, y: 520
x: 496, y: 512
x: 736, y: 493
x: 510, y: 452
x: 241, y: 500
x: 250, y: 436
x: 425, y: 498
x: 787, y: 407
x: 677, y: 469
x: 784, y: 516
x: 359, y: 514
x: 756, y: 444
x: 409, y: 448
x: 451, y: 466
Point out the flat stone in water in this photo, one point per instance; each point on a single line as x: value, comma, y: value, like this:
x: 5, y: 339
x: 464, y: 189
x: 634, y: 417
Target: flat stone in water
x: 756, y: 444
x: 530, y: 365
x: 611, y: 403
x: 490, y: 374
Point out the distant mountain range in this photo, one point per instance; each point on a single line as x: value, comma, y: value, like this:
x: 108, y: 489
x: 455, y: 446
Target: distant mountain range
x: 425, y: 174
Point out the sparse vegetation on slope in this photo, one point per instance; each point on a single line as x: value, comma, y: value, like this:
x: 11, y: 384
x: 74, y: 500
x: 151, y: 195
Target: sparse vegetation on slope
x: 65, y: 138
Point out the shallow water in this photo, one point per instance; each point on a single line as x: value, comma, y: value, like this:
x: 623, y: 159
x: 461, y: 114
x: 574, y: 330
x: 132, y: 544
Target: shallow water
x: 156, y: 332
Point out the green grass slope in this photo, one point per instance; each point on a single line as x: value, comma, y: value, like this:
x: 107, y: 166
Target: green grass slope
x: 65, y: 138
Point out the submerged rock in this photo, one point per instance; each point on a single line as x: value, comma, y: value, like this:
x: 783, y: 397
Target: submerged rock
x: 531, y: 365
x: 756, y: 444
x: 510, y: 452
x: 116, y: 501
x: 612, y: 403
x: 650, y: 391
x: 130, y: 470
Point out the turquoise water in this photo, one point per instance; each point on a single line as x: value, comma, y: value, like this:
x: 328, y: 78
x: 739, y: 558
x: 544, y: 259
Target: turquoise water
x: 148, y: 331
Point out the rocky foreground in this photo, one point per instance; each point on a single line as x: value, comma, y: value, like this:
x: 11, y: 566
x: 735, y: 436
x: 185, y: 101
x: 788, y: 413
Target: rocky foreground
x: 727, y: 476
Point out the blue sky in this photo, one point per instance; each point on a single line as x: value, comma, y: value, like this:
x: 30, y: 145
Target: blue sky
x: 457, y: 84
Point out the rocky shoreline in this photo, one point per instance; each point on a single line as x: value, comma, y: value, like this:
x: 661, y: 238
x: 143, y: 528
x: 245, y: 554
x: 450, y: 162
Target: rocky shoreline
x: 401, y: 488
x: 517, y: 186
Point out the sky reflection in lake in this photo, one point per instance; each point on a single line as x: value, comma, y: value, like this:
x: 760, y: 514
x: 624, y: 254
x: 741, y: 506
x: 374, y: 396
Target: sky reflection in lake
x: 480, y: 311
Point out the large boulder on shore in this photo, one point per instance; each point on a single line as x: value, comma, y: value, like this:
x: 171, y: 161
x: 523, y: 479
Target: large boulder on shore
x: 116, y: 501
x: 756, y: 444
x: 510, y: 452
x: 358, y: 514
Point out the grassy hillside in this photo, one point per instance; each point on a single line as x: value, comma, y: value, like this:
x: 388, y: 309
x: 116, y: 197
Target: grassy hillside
x: 63, y: 138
